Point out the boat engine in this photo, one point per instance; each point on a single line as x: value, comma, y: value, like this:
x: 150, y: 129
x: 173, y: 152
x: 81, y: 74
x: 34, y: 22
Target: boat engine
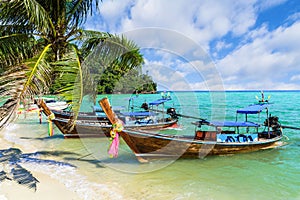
x: 172, y: 113
x: 273, y: 122
x: 145, y: 106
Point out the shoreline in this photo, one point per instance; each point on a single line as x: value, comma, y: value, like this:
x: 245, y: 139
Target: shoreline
x: 47, y: 187
x: 58, y: 179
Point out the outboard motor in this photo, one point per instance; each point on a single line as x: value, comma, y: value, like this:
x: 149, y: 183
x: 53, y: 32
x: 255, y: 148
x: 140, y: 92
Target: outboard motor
x: 145, y: 106
x: 172, y: 113
x: 272, y: 121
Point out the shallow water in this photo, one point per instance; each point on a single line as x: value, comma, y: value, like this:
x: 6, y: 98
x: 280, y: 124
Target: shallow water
x: 268, y: 174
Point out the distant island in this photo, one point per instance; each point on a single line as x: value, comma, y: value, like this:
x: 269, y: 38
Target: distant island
x: 116, y: 82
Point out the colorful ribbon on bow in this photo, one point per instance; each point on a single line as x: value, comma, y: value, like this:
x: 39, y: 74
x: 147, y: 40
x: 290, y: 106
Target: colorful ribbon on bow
x: 50, y: 125
x: 114, y: 139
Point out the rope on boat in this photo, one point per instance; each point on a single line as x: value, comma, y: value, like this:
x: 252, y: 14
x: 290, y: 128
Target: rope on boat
x: 50, y: 124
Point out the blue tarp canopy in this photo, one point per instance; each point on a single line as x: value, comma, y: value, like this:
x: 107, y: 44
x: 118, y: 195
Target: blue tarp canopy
x: 138, y: 114
x: 159, y: 101
x: 252, y: 109
x: 232, y: 124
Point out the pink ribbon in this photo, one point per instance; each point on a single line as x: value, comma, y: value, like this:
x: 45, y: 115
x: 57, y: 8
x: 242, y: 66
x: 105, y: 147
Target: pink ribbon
x: 114, y: 146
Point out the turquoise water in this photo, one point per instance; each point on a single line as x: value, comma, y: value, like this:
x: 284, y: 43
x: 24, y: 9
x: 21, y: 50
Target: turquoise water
x: 268, y: 174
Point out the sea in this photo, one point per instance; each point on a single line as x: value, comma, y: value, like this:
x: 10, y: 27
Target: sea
x: 84, y: 166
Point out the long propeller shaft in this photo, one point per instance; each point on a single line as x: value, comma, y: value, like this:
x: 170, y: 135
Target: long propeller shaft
x: 291, y: 127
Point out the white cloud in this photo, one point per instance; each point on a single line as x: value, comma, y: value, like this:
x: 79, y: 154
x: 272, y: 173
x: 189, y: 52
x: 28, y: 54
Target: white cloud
x: 295, y: 77
x: 257, y: 33
x: 202, y: 21
x: 222, y: 45
x: 173, y: 73
x: 269, y: 3
x: 260, y: 59
x: 294, y: 17
x: 265, y: 62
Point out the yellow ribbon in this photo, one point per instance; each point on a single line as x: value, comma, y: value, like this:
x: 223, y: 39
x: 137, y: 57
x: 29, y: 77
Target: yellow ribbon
x: 118, y: 127
x: 51, y: 116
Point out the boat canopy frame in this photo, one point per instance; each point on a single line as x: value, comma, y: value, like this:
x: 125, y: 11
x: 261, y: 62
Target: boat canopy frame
x: 228, y: 124
x: 253, y: 109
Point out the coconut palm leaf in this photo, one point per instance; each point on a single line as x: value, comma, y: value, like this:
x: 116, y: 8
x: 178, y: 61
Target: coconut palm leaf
x: 42, y: 40
x: 39, y: 76
x: 78, y: 10
x: 73, y: 81
x: 26, y: 12
x: 70, y: 79
x: 15, y: 48
x: 11, y: 83
x: 23, y: 82
x: 89, y: 39
x: 111, y: 50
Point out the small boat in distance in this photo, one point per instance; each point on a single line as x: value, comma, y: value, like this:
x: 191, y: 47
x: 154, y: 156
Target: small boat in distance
x: 96, y: 123
x: 209, y: 138
x: 51, y: 103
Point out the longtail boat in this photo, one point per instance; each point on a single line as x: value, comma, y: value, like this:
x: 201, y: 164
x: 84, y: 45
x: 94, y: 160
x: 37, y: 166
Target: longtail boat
x: 51, y: 103
x: 96, y: 123
x: 209, y: 138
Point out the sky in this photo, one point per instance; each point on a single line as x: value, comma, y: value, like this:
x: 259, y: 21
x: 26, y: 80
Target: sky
x: 210, y: 45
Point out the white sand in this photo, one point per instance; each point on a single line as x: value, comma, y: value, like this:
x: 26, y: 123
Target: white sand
x: 47, y: 188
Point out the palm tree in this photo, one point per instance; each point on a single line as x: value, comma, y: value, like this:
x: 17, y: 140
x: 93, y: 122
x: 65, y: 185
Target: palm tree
x: 42, y: 44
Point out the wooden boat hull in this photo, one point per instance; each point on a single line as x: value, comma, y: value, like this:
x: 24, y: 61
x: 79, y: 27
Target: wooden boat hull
x: 202, y: 143
x: 81, y: 116
x: 146, y: 144
x: 88, y: 125
x: 102, y: 128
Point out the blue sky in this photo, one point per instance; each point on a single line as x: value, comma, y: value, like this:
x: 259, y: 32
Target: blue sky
x: 211, y: 45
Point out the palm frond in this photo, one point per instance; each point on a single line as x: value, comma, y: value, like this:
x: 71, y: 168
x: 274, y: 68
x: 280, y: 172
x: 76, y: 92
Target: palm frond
x: 11, y: 83
x: 72, y: 82
x: 84, y: 36
x: 131, y: 57
x: 89, y: 40
x: 39, y: 76
x: 8, y: 29
x: 26, y: 12
x: 110, y: 52
x: 67, y: 69
x: 78, y: 10
x: 21, y: 82
x: 53, y: 27
x: 15, y: 48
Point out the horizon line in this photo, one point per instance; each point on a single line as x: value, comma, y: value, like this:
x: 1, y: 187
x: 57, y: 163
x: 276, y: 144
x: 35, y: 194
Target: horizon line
x: 284, y: 90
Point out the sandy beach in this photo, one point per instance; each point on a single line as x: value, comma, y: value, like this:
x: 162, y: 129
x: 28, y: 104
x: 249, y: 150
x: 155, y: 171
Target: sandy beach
x: 47, y: 188
x: 53, y: 162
